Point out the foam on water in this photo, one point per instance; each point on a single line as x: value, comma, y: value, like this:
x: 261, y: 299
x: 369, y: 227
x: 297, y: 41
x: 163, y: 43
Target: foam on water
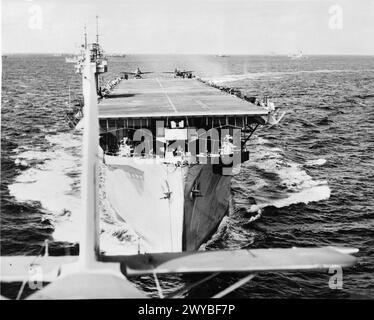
x: 317, y: 162
x: 65, y: 140
x: 47, y: 183
x: 55, y: 182
x: 297, y: 185
x: 274, y: 75
x: 316, y: 193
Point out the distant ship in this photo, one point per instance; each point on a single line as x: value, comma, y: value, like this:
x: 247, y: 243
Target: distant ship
x: 116, y: 55
x: 298, y: 55
x: 222, y: 55
x: 73, y: 59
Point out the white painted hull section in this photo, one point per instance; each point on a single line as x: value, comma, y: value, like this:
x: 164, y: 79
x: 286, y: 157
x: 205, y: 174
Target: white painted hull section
x: 137, y: 192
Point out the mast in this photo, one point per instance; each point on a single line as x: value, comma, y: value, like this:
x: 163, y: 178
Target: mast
x: 85, y: 37
x: 97, y: 29
x: 96, y: 55
x: 98, y: 48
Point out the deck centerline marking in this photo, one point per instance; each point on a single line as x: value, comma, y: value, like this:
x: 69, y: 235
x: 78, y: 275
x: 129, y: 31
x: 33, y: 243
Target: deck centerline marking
x: 202, y: 104
x: 167, y: 96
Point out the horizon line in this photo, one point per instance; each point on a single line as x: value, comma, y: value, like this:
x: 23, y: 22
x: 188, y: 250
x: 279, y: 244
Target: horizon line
x: 189, y: 53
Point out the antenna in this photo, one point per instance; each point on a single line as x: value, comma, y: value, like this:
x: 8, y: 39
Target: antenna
x: 97, y: 29
x: 85, y: 37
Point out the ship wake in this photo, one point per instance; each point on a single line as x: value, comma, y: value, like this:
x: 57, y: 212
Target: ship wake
x: 52, y: 177
x: 270, y: 179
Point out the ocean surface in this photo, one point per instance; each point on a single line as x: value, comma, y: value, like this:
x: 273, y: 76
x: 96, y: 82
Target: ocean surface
x: 311, y: 176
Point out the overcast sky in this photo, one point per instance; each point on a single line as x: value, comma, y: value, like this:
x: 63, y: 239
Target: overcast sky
x: 191, y: 26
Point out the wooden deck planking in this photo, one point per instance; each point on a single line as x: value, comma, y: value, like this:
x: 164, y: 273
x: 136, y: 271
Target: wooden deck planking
x: 139, y: 98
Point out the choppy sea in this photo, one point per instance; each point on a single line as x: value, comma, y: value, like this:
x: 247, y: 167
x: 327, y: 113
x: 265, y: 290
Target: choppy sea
x: 311, y: 176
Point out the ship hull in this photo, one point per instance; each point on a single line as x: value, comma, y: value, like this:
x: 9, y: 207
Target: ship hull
x: 204, y: 211
x: 171, y: 208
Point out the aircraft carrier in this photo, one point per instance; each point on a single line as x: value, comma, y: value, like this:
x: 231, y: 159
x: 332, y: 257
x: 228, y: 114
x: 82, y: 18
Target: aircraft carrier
x: 170, y: 147
x: 177, y: 177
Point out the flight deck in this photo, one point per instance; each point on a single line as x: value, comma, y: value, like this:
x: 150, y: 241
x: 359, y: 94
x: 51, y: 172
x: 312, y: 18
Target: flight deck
x: 157, y: 97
